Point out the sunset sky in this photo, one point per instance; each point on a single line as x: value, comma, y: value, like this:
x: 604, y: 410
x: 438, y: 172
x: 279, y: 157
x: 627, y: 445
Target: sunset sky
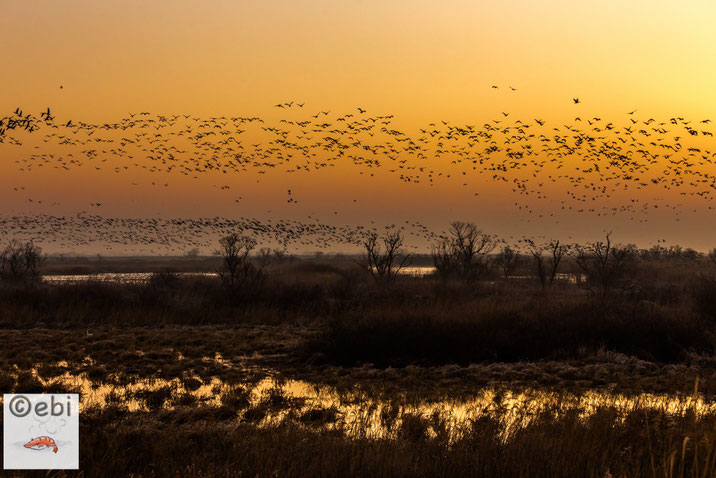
x: 421, y: 61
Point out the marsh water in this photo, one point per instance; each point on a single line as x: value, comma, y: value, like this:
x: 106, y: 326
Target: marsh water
x: 360, y: 415
x: 116, y: 277
x: 142, y: 277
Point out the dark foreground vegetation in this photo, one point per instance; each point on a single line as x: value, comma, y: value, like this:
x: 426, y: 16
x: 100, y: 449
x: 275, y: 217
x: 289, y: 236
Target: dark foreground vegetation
x: 552, y: 317
x: 219, y: 442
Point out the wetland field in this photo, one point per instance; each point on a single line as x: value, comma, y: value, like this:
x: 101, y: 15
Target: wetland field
x: 319, y: 369
x: 391, y: 239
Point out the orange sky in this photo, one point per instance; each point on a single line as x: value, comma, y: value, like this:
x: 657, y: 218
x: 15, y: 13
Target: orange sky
x: 420, y: 61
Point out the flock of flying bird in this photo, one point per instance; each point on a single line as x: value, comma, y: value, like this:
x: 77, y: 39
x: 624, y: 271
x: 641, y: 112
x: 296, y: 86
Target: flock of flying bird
x: 588, y: 165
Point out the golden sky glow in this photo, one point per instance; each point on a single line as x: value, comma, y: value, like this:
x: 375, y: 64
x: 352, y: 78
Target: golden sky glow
x: 420, y: 61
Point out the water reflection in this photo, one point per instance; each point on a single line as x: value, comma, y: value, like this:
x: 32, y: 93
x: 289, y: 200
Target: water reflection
x: 118, y: 277
x: 269, y: 401
x: 143, y: 277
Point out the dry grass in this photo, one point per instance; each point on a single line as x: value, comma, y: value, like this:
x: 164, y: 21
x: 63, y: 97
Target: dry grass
x: 229, y: 441
x: 415, y: 339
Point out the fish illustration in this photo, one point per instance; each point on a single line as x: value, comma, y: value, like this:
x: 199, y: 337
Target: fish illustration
x: 40, y: 443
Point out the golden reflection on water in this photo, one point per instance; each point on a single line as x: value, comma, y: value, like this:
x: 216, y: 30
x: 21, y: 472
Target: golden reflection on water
x: 116, y: 277
x: 359, y: 415
x: 144, y: 277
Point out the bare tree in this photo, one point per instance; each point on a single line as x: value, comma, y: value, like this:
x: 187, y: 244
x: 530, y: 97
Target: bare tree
x: 540, y: 270
x: 464, y: 252
x: 508, y: 260
x: 20, y: 262
x: 384, y: 263
x: 547, y: 258
x: 237, y: 270
x: 557, y: 252
x: 604, y: 265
